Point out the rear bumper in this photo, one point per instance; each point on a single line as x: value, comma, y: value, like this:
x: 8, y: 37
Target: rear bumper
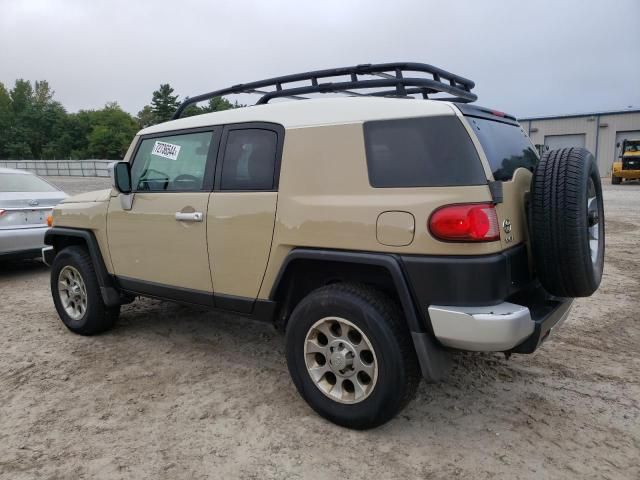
x: 22, y: 241
x: 484, y: 303
x: 498, y: 328
x: 467, y: 280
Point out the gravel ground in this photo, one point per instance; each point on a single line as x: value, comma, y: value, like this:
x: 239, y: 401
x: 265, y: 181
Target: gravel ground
x: 175, y: 392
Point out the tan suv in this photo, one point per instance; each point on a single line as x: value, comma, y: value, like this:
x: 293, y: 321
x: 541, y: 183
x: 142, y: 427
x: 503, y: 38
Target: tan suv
x: 379, y: 232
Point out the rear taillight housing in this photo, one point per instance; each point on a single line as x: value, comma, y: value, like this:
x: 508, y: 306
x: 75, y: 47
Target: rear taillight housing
x: 473, y: 222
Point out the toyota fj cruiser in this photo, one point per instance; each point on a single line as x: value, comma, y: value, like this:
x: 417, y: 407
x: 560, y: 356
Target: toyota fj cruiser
x: 380, y: 231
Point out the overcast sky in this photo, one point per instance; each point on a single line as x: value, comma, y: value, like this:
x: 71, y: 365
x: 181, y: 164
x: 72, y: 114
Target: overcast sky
x: 535, y: 57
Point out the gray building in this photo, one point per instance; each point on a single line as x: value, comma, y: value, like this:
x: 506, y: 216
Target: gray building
x: 599, y: 132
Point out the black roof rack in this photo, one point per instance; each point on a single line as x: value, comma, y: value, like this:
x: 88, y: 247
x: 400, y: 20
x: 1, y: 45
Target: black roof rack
x: 392, y: 81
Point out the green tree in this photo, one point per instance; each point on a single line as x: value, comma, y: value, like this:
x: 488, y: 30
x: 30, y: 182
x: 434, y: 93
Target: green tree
x: 34, y: 125
x: 164, y: 103
x: 21, y: 96
x: 6, y: 120
x: 217, y: 104
x: 146, y: 117
x: 42, y: 93
x: 111, y: 133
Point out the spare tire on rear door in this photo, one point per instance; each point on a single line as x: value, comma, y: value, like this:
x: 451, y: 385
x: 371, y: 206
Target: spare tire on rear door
x: 567, y: 222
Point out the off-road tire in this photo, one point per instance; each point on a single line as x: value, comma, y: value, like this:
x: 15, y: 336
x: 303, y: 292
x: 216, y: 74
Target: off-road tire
x: 381, y: 320
x: 98, y: 317
x: 559, y: 222
x: 615, y: 180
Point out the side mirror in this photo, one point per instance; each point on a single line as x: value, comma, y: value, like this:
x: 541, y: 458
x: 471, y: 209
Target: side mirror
x: 121, y: 177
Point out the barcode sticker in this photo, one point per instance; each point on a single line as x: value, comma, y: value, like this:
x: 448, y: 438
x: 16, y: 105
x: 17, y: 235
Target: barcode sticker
x: 166, y: 150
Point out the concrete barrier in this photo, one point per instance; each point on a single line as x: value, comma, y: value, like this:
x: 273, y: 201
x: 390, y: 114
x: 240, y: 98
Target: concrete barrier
x: 62, y: 168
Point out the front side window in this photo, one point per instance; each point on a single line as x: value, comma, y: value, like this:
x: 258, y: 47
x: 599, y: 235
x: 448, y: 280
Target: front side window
x: 171, y: 163
x: 249, y: 160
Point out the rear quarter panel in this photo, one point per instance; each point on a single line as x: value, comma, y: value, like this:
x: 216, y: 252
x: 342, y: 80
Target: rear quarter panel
x: 325, y: 200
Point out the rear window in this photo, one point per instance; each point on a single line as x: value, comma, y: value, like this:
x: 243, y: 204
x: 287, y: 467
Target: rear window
x: 421, y: 152
x: 16, y: 182
x: 506, y: 146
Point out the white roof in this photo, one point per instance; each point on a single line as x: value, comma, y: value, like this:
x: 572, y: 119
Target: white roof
x: 12, y: 170
x: 314, y: 112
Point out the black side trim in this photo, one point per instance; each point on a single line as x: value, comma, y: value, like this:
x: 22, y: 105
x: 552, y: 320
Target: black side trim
x: 233, y: 303
x: 388, y: 261
x: 110, y: 294
x: 256, y: 309
x: 158, y: 290
x: 264, y: 310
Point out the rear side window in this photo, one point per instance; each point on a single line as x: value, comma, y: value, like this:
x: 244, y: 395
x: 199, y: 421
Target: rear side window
x: 421, y: 152
x: 249, y: 160
x: 506, y: 146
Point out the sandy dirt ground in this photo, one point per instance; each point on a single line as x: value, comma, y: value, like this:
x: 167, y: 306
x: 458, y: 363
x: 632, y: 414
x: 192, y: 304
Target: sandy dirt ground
x: 174, y: 393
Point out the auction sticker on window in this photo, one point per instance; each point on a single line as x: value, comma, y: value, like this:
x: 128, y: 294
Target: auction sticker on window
x: 166, y: 150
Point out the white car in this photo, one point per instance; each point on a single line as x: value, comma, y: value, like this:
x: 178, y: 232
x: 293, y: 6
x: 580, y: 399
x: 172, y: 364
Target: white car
x: 26, y: 201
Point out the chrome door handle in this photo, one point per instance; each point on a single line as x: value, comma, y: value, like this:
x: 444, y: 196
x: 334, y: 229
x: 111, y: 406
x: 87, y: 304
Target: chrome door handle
x: 189, y: 217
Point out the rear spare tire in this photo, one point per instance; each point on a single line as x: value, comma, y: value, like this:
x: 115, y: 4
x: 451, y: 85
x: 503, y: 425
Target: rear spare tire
x: 567, y: 222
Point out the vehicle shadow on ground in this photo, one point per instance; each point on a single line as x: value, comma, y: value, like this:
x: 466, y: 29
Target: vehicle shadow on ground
x: 10, y: 269
x: 475, y: 382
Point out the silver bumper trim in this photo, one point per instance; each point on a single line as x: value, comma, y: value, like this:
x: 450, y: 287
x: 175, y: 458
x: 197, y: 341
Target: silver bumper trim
x: 482, y: 329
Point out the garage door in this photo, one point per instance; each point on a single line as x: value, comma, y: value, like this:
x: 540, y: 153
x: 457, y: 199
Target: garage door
x: 620, y: 136
x: 563, y: 141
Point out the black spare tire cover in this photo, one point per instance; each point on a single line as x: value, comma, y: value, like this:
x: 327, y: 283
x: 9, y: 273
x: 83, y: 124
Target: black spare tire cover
x: 567, y: 222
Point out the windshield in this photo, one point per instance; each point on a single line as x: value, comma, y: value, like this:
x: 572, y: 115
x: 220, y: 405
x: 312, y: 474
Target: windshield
x: 17, y: 182
x: 632, y: 147
x: 506, y: 146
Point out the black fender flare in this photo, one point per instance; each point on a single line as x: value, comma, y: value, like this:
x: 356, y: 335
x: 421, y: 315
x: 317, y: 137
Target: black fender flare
x: 434, y: 360
x: 108, y: 288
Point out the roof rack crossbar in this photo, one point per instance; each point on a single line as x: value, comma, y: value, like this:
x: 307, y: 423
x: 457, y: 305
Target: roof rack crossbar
x: 391, y: 76
x: 263, y: 92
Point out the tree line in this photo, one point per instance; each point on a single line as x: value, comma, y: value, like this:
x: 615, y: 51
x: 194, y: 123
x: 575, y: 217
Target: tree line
x: 35, y: 126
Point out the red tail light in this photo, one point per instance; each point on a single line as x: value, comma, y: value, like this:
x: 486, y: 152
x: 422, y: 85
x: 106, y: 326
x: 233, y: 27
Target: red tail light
x: 474, y: 222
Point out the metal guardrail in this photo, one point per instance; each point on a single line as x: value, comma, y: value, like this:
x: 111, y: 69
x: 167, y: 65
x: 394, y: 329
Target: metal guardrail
x: 61, y: 168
